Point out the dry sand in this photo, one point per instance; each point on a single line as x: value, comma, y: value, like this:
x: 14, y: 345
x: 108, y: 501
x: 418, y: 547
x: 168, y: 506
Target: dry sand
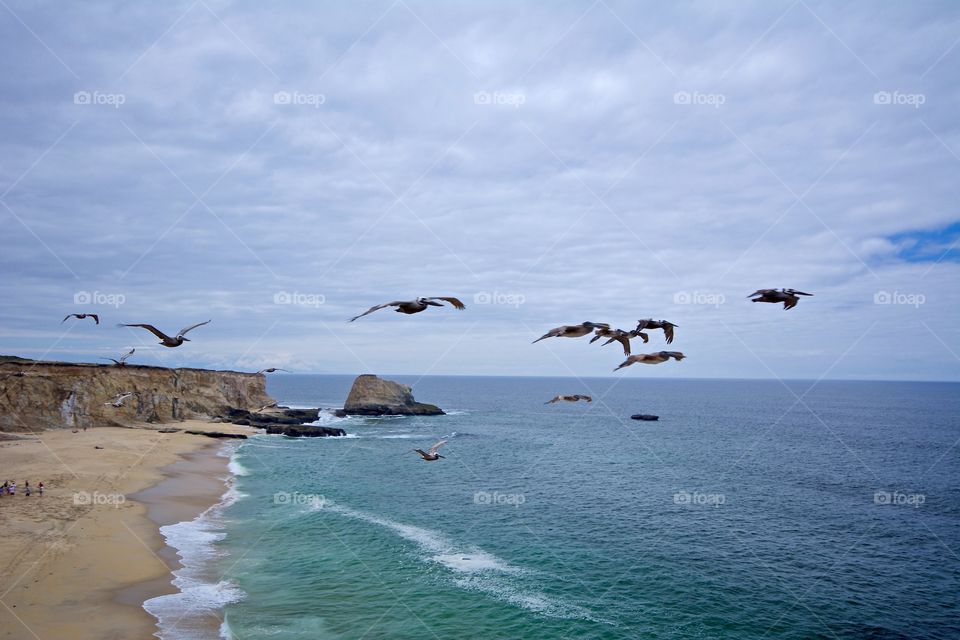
x: 80, y: 561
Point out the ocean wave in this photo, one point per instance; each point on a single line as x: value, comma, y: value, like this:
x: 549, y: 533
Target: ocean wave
x: 474, y: 569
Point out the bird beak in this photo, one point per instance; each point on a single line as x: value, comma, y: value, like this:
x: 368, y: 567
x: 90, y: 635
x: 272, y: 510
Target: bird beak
x: 186, y: 339
x: 440, y: 456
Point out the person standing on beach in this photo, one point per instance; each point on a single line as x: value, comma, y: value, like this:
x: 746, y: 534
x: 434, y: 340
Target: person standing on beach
x: 13, y: 488
x: 40, y: 489
x: 3, y: 488
x: 26, y: 489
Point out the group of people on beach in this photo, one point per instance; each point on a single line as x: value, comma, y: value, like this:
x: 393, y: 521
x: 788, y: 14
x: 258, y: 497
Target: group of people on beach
x: 9, y: 488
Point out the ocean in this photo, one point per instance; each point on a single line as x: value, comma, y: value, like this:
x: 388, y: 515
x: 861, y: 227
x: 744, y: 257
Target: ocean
x: 751, y: 509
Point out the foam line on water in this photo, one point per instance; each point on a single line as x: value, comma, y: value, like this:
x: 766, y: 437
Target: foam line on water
x: 184, y: 614
x: 474, y: 568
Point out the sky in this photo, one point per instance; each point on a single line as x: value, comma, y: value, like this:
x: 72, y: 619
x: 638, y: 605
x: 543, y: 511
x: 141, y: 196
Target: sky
x: 281, y: 167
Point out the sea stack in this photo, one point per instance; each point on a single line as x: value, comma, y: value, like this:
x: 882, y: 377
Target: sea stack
x: 374, y: 396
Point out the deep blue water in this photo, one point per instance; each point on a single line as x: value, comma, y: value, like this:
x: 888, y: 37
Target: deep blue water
x: 745, y: 512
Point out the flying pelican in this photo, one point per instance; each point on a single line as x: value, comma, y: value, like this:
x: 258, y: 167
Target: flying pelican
x: 414, y: 306
x: 787, y: 296
x: 120, y: 397
x: 569, y: 399
x: 651, y: 358
x: 81, y: 316
x: 166, y: 340
x: 267, y: 406
x: 432, y: 454
x: 621, y: 336
x: 572, y: 330
x: 649, y: 323
x: 123, y: 359
x: 271, y: 370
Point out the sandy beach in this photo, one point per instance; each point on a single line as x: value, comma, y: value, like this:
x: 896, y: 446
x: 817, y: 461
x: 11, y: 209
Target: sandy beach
x: 79, y: 561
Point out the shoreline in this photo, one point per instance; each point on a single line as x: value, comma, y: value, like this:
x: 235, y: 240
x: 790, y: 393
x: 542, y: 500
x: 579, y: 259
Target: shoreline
x: 90, y: 550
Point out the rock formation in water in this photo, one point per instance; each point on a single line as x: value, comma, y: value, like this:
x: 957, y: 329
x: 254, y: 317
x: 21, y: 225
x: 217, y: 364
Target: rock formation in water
x: 373, y: 396
x: 68, y: 395
x: 284, y: 421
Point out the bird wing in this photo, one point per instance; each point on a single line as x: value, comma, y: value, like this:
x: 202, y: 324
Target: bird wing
x: 127, y: 354
x: 555, y: 399
x: 95, y: 317
x: 790, y: 302
x: 435, y: 447
x: 183, y: 331
x: 553, y: 333
x: 379, y: 306
x: 587, y: 398
x: 642, y: 324
x: 456, y: 303
x: 66, y: 317
x: 668, y: 331
x: 105, y: 358
x: 625, y: 341
x: 676, y: 355
x: 152, y: 329
x: 762, y: 292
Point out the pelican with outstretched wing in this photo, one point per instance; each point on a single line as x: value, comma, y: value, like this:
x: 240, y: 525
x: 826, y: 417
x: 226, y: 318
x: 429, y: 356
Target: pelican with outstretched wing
x: 432, y: 454
x: 787, y: 296
x: 573, y: 330
x: 650, y: 323
x: 81, y: 316
x: 118, y: 399
x: 414, y: 306
x: 166, y: 340
x: 122, y: 362
x: 651, y: 358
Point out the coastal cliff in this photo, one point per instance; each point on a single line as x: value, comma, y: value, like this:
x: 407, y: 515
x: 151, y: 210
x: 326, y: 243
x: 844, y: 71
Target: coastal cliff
x: 40, y: 395
x: 374, y: 396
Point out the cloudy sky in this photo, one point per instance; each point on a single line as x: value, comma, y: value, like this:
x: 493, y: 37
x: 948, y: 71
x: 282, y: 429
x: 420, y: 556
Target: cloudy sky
x: 279, y: 168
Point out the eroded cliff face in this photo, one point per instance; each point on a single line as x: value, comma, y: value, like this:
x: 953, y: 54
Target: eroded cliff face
x: 66, y: 395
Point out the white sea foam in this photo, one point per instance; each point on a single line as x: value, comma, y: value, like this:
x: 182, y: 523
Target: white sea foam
x: 473, y: 568
x: 185, y: 614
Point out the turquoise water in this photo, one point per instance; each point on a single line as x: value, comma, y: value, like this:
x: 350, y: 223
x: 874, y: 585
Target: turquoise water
x: 742, y: 513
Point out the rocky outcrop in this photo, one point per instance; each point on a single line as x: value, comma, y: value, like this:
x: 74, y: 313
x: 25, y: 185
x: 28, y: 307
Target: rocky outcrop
x: 67, y: 395
x: 283, y: 421
x: 373, y: 396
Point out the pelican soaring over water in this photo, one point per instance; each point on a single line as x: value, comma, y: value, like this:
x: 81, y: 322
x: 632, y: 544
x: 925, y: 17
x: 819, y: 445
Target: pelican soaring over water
x: 81, y: 316
x: 271, y: 370
x: 122, y: 362
x: 572, y: 330
x: 621, y: 336
x: 432, y: 454
x: 414, y: 306
x: 649, y: 323
x: 651, y: 358
x: 787, y: 296
x: 120, y: 397
x: 166, y: 340
x: 574, y: 398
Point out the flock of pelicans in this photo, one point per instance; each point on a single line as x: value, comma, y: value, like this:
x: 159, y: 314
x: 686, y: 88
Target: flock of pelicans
x: 788, y: 297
